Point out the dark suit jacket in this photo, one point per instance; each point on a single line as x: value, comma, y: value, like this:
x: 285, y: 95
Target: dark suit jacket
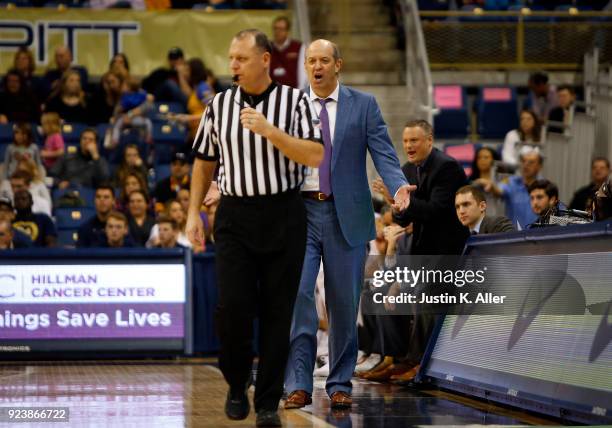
x: 496, y: 225
x: 437, y: 229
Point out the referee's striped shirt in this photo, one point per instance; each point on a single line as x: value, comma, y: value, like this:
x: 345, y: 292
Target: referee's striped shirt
x: 249, y: 165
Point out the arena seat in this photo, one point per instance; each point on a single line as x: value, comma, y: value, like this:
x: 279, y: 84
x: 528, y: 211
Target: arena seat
x: 72, y: 132
x: 88, y: 194
x: 72, y: 218
x: 162, y: 109
x: 67, y: 237
x: 463, y: 153
x: 167, y: 137
x: 453, y: 119
x: 497, y: 109
x: 6, y: 133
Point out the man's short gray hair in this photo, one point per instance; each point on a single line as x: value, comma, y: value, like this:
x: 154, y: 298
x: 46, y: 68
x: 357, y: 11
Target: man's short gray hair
x: 261, y: 40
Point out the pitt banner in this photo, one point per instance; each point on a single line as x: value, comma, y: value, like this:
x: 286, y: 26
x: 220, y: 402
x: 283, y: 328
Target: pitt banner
x: 144, y: 36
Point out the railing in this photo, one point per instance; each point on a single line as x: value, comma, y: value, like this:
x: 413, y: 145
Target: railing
x: 515, y: 40
x: 418, y: 73
x: 302, y: 20
x: 598, y: 94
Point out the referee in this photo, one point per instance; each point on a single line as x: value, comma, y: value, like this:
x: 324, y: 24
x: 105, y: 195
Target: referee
x: 263, y: 136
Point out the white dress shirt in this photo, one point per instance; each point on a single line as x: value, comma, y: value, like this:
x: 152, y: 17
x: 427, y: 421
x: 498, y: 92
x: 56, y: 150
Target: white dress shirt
x: 311, y: 183
x: 477, y: 226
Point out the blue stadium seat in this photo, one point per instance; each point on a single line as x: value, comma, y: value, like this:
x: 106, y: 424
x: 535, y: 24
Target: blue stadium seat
x: 3, y: 147
x: 162, y: 171
x: 497, y: 109
x: 6, y: 133
x: 101, y: 129
x: 88, y: 194
x: 433, y: 4
x: 67, y: 237
x: 72, y: 218
x: 453, y: 120
x: 72, y: 132
x: 528, y: 18
x: 167, y: 138
x: 161, y: 110
x: 463, y: 153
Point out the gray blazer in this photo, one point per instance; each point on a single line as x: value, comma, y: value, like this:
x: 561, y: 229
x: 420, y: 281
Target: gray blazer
x: 496, y: 225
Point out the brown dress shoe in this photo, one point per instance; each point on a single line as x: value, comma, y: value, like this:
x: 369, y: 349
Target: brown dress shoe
x: 298, y: 399
x: 341, y: 400
x: 406, y: 376
x: 383, y: 375
x: 386, y: 362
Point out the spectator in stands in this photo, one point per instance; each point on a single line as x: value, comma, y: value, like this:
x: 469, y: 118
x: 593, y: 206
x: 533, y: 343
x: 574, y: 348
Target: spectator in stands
x: 23, y: 147
x: 63, y: 63
x: 518, y: 206
x: 168, y: 233
x: 484, y: 169
x: 132, y: 181
x: 17, y: 101
x: 168, y: 188
x: 199, y: 94
x: 69, y: 99
x: 9, y: 237
x: 542, y: 96
x: 565, y: 111
x: 173, y: 210
x: 85, y: 167
x: 131, y: 163
x: 602, y: 206
x: 183, y: 197
x: 140, y: 222
x: 584, y: 197
x: 134, y: 105
x: 24, y: 63
x: 528, y: 133
x: 116, y: 231
x: 120, y: 65
x: 53, y: 148
x: 91, y: 233
x: 21, y: 180
x: 163, y: 82
x: 471, y: 207
x: 544, y: 198
x: 287, y: 56
x: 6, y: 236
x: 106, y: 98
x: 38, y: 226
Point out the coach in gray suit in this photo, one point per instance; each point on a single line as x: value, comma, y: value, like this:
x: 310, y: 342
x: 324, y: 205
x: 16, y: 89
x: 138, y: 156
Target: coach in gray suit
x: 471, y: 207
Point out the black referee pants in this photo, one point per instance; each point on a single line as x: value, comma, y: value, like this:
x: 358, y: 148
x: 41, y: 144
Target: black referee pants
x: 260, y: 243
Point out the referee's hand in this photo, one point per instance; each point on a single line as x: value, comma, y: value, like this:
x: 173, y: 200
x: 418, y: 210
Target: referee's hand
x: 255, y: 122
x: 194, y: 230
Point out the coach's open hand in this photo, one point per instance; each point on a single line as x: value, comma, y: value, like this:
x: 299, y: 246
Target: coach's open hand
x: 254, y: 121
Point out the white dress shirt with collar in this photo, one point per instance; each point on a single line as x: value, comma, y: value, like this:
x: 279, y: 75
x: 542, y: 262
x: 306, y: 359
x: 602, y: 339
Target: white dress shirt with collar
x: 477, y: 226
x: 311, y: 183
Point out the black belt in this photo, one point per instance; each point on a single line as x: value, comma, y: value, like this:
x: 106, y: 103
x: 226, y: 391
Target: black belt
x: 318, y: 196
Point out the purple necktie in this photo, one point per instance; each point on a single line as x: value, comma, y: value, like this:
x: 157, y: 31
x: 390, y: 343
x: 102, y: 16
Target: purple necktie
x: 325, y: 167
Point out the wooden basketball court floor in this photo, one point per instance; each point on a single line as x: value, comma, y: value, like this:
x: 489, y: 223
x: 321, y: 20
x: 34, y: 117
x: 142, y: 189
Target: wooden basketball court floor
x: 191, y: 393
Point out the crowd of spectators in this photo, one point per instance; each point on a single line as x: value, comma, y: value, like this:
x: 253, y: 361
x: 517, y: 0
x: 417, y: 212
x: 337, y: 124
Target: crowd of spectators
x: 127, y: 202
